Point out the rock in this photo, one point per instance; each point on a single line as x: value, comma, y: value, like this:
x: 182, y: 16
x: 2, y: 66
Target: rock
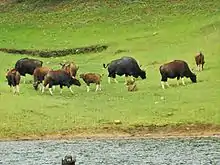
x: 117, y: 122
x: 68, y: 160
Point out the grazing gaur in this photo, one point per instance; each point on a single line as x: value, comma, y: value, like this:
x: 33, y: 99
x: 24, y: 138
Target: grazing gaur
x: 127, y: 66
x: 71, y: 68
x: 38, y: 75
x: 176, y: 69
x: 200, y: 61
x: 131, y: 85
x: 13, y: 77
x: 89, y: 78
x: 27, y: 66
x: 61, y: 78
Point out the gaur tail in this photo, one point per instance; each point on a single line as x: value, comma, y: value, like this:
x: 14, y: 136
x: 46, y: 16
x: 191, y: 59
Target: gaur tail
x: 105, y: 66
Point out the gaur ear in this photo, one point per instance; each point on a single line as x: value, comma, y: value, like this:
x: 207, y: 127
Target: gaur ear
x: 73, y: 77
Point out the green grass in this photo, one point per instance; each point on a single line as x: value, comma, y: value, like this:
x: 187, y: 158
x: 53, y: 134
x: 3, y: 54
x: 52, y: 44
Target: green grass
x: 183, y: 28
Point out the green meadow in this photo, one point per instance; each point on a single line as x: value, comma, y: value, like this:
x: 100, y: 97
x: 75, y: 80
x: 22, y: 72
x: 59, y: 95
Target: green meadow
x: 153, y: 32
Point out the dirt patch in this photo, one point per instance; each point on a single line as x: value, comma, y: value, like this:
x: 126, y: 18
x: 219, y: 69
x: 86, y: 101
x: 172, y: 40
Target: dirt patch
x: 135, y: 131
x: 57, y: 53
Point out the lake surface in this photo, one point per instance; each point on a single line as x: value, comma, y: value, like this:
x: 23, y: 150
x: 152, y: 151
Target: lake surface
x: 175, y: 151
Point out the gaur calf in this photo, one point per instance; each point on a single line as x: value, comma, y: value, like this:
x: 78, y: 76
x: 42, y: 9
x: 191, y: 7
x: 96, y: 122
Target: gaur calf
x: 176, y: 69
x: 200, y: 61
x: 71, y: 68
x: 13, y: 77
x: 131, y: 85
x: 89, y: 78
x: 39, y: 74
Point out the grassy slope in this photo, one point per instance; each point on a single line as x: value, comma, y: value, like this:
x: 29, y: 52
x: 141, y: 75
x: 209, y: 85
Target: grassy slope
x: 183, y: 29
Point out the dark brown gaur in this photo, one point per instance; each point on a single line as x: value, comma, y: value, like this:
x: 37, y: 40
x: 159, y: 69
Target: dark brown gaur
x: 13, y: 77
x: 59, y: 77
x: 200, y: 61
x: 39, y: 74
x: 71, y: 68
x: 176, y: 69
x: 89, y: 78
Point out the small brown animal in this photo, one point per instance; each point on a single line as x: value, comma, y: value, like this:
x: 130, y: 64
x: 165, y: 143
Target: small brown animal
x: 132, y: 86
x: 71, y: 68
x: 13, y: 77
x: 39, y: 74
x: 200, y: 61
x: 89, y: 78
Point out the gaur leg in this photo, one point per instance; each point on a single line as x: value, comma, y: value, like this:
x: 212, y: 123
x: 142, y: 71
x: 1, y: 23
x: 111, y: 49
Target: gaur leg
x: 61, y: 89
x: 14, y: 89
x: 163, y: 80
x: 17, y: 89
x: 87, y: 87
x: 100, y: 87
x: 97, y: 87
x: 178, y: 78
x: 114, y: 77
x: 50, y: 89
x: 70, y: 89
x: 126, y: 79
x: 182, y: 78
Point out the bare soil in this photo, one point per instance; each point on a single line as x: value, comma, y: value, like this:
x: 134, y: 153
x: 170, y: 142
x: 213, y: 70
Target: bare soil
x: 138, y: 131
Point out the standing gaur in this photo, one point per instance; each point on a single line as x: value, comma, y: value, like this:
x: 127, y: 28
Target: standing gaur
x: 127, y: 66
x: 200, y: 61
x: 13, y: 77
x: 27, y: 66
x: 89, y: 78
x: 61, y: 78
x: 39, y: 74
x: 71, y: 68
x: 176, y: 69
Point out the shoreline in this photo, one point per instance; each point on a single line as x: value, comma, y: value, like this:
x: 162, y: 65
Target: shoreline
x: 147, y: 132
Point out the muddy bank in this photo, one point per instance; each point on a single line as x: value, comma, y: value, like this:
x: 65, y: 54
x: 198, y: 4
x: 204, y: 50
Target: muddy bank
x: 57, y: 53
x: 109, y: 132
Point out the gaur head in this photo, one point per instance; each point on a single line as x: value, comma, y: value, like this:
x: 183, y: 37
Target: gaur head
x: 74, y: 81
x: 142, y: 74
x: 193, y: 78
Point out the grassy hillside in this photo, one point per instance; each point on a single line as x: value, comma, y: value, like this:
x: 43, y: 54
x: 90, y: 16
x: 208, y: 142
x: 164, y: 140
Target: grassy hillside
x: 154, y: 32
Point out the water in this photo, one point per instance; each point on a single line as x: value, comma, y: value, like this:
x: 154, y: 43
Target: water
x: 191, y: 151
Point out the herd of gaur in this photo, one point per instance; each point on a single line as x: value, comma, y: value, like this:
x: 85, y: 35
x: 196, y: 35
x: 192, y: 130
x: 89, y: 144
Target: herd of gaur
x: 44, y: 77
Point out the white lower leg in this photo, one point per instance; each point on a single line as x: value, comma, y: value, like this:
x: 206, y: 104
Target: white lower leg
x: 177, y: 82
x: 24, y: 79
x: 100, y: 87
x: 61, y: 90
x: 17, y: 88
x: 167, y: 84
x: 115, y: 80
x: 97, y: 87
x: 71, y: 90
x: 162, y: 84
x: 14, y: 90
x: 183, y: 81
x: 87, y: 88
x: 50, y: 89
x: 54, y: 88
x: 42, y: 90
